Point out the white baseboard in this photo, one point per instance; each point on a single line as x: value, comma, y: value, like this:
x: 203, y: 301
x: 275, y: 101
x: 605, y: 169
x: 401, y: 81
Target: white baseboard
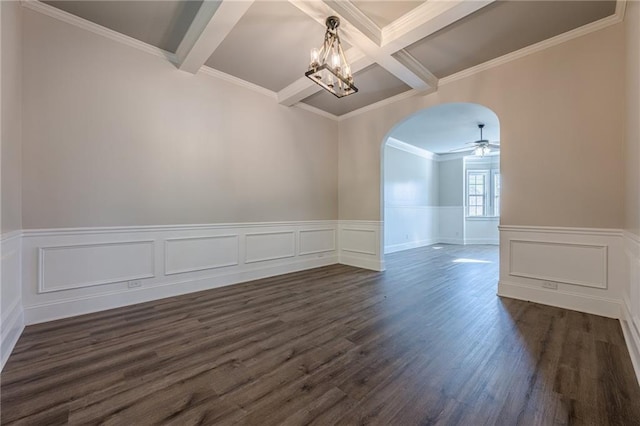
x: 12, y: 327
x: 361, y: 262
x: 605, y: 307
x: 631, y: 331
x: 408, y: 246
x: 443, y: 240
x: 99, y: 302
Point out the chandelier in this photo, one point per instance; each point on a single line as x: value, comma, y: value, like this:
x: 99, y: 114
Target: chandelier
x: 328, y: 66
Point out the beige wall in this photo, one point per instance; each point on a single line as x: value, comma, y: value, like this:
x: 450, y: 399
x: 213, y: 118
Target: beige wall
x: 632, y: 155
x: 562, y: 128
x: 115, y: 136
x: 11, y: 116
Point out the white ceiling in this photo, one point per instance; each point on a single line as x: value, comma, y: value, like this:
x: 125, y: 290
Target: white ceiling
x: 392, y: 46
x: 445, y: 127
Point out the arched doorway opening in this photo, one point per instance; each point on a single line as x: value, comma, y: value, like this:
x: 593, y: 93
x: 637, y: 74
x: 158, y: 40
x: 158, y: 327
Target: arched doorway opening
x: 440, y: 179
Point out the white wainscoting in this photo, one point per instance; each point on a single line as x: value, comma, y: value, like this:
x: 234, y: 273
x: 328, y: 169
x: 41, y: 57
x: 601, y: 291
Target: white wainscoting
x: 11, y: 311
x: 631, y: 307
x: 482, y: 230
x: 86, y: 265
x: 451, y: 224
x: 360, y: 244
x: 67, y: 272
x: 407, y: 227
x: 586, y: 265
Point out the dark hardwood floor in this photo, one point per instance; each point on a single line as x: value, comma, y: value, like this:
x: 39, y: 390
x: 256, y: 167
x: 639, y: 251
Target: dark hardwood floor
x: 426, y: 342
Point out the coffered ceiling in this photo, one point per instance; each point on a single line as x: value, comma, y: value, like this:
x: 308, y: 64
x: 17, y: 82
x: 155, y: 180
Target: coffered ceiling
x: 395, y: 48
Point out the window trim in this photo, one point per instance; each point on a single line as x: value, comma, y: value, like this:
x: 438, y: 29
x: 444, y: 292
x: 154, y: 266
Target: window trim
x: 489, y: 195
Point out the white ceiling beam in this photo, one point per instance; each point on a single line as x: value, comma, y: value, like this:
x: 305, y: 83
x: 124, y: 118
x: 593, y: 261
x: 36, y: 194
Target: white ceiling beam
x: 426, y: 19
x: 319, y: 11
x: 213, y: 22
x: 304, y: 87
x: 357, y: 18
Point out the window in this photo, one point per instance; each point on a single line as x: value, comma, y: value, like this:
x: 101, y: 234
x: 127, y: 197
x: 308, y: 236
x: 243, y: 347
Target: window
x: 483, y: 193
x: 477, y: 193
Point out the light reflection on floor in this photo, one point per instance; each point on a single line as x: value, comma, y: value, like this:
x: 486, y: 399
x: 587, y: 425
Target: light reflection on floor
x: 463, y: 260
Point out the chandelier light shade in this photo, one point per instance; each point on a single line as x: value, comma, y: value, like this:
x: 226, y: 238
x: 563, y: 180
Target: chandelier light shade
x: 328, y: 66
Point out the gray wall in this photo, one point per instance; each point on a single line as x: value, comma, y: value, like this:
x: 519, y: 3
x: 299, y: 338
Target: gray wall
x: 114, y: 136
x: 409, y: 180
x: 451, y: 178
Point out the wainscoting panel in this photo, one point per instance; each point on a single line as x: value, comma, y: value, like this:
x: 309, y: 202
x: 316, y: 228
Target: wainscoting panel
x: 87, y: 265
x: 631, y: 306
x: 361, y: 244
x: 568, y: 263
x: 67, y: 272
x: 265, y: 246
x: 313, y: 241
x: 573, y: 268
x: 201, y: 253
x: 11, y: 311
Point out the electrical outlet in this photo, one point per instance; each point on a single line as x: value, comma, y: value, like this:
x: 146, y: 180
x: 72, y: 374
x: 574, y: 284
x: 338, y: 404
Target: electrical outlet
x: 134, y: 284
x: 550, y: 285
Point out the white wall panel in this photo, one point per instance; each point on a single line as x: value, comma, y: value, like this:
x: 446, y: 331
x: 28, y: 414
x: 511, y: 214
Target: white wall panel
x: 570, y: 263
x: 360, y: 244
x: 85, y: 270
x: 583, y: 269
x: 11, y: 311
x: 359, y: 241
x: 200, y: 253
x: 269, y: 246
x: 86, y: 265
x: 314, y: 241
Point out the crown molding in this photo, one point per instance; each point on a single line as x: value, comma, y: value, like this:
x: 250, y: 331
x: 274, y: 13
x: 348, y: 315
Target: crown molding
x: 61, y: 15
x: 237, y: 81
x: 397, y: 98
x: 616, y: 18
x: 315, y: 110
x: 411, y: 149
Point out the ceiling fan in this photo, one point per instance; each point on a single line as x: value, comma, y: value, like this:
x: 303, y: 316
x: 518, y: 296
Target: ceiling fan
x: 481, y: 147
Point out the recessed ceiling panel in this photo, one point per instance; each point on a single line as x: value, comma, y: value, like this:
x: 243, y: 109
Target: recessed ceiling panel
x: 501, y: 28
x: 382, y: 13
x: 374, y: 84
x: 269, y: 46
x: 159, y: 23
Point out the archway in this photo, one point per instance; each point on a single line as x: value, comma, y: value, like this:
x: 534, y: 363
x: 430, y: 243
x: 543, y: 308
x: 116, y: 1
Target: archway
x: 431, y: 195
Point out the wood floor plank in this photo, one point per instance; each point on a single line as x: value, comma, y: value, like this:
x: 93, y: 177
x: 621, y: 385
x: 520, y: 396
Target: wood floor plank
x: 426, y: 342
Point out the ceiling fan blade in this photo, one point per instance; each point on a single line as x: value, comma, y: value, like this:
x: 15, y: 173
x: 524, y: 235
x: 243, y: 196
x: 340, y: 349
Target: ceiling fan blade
x: 493, y: 145
x: 462, y: 149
